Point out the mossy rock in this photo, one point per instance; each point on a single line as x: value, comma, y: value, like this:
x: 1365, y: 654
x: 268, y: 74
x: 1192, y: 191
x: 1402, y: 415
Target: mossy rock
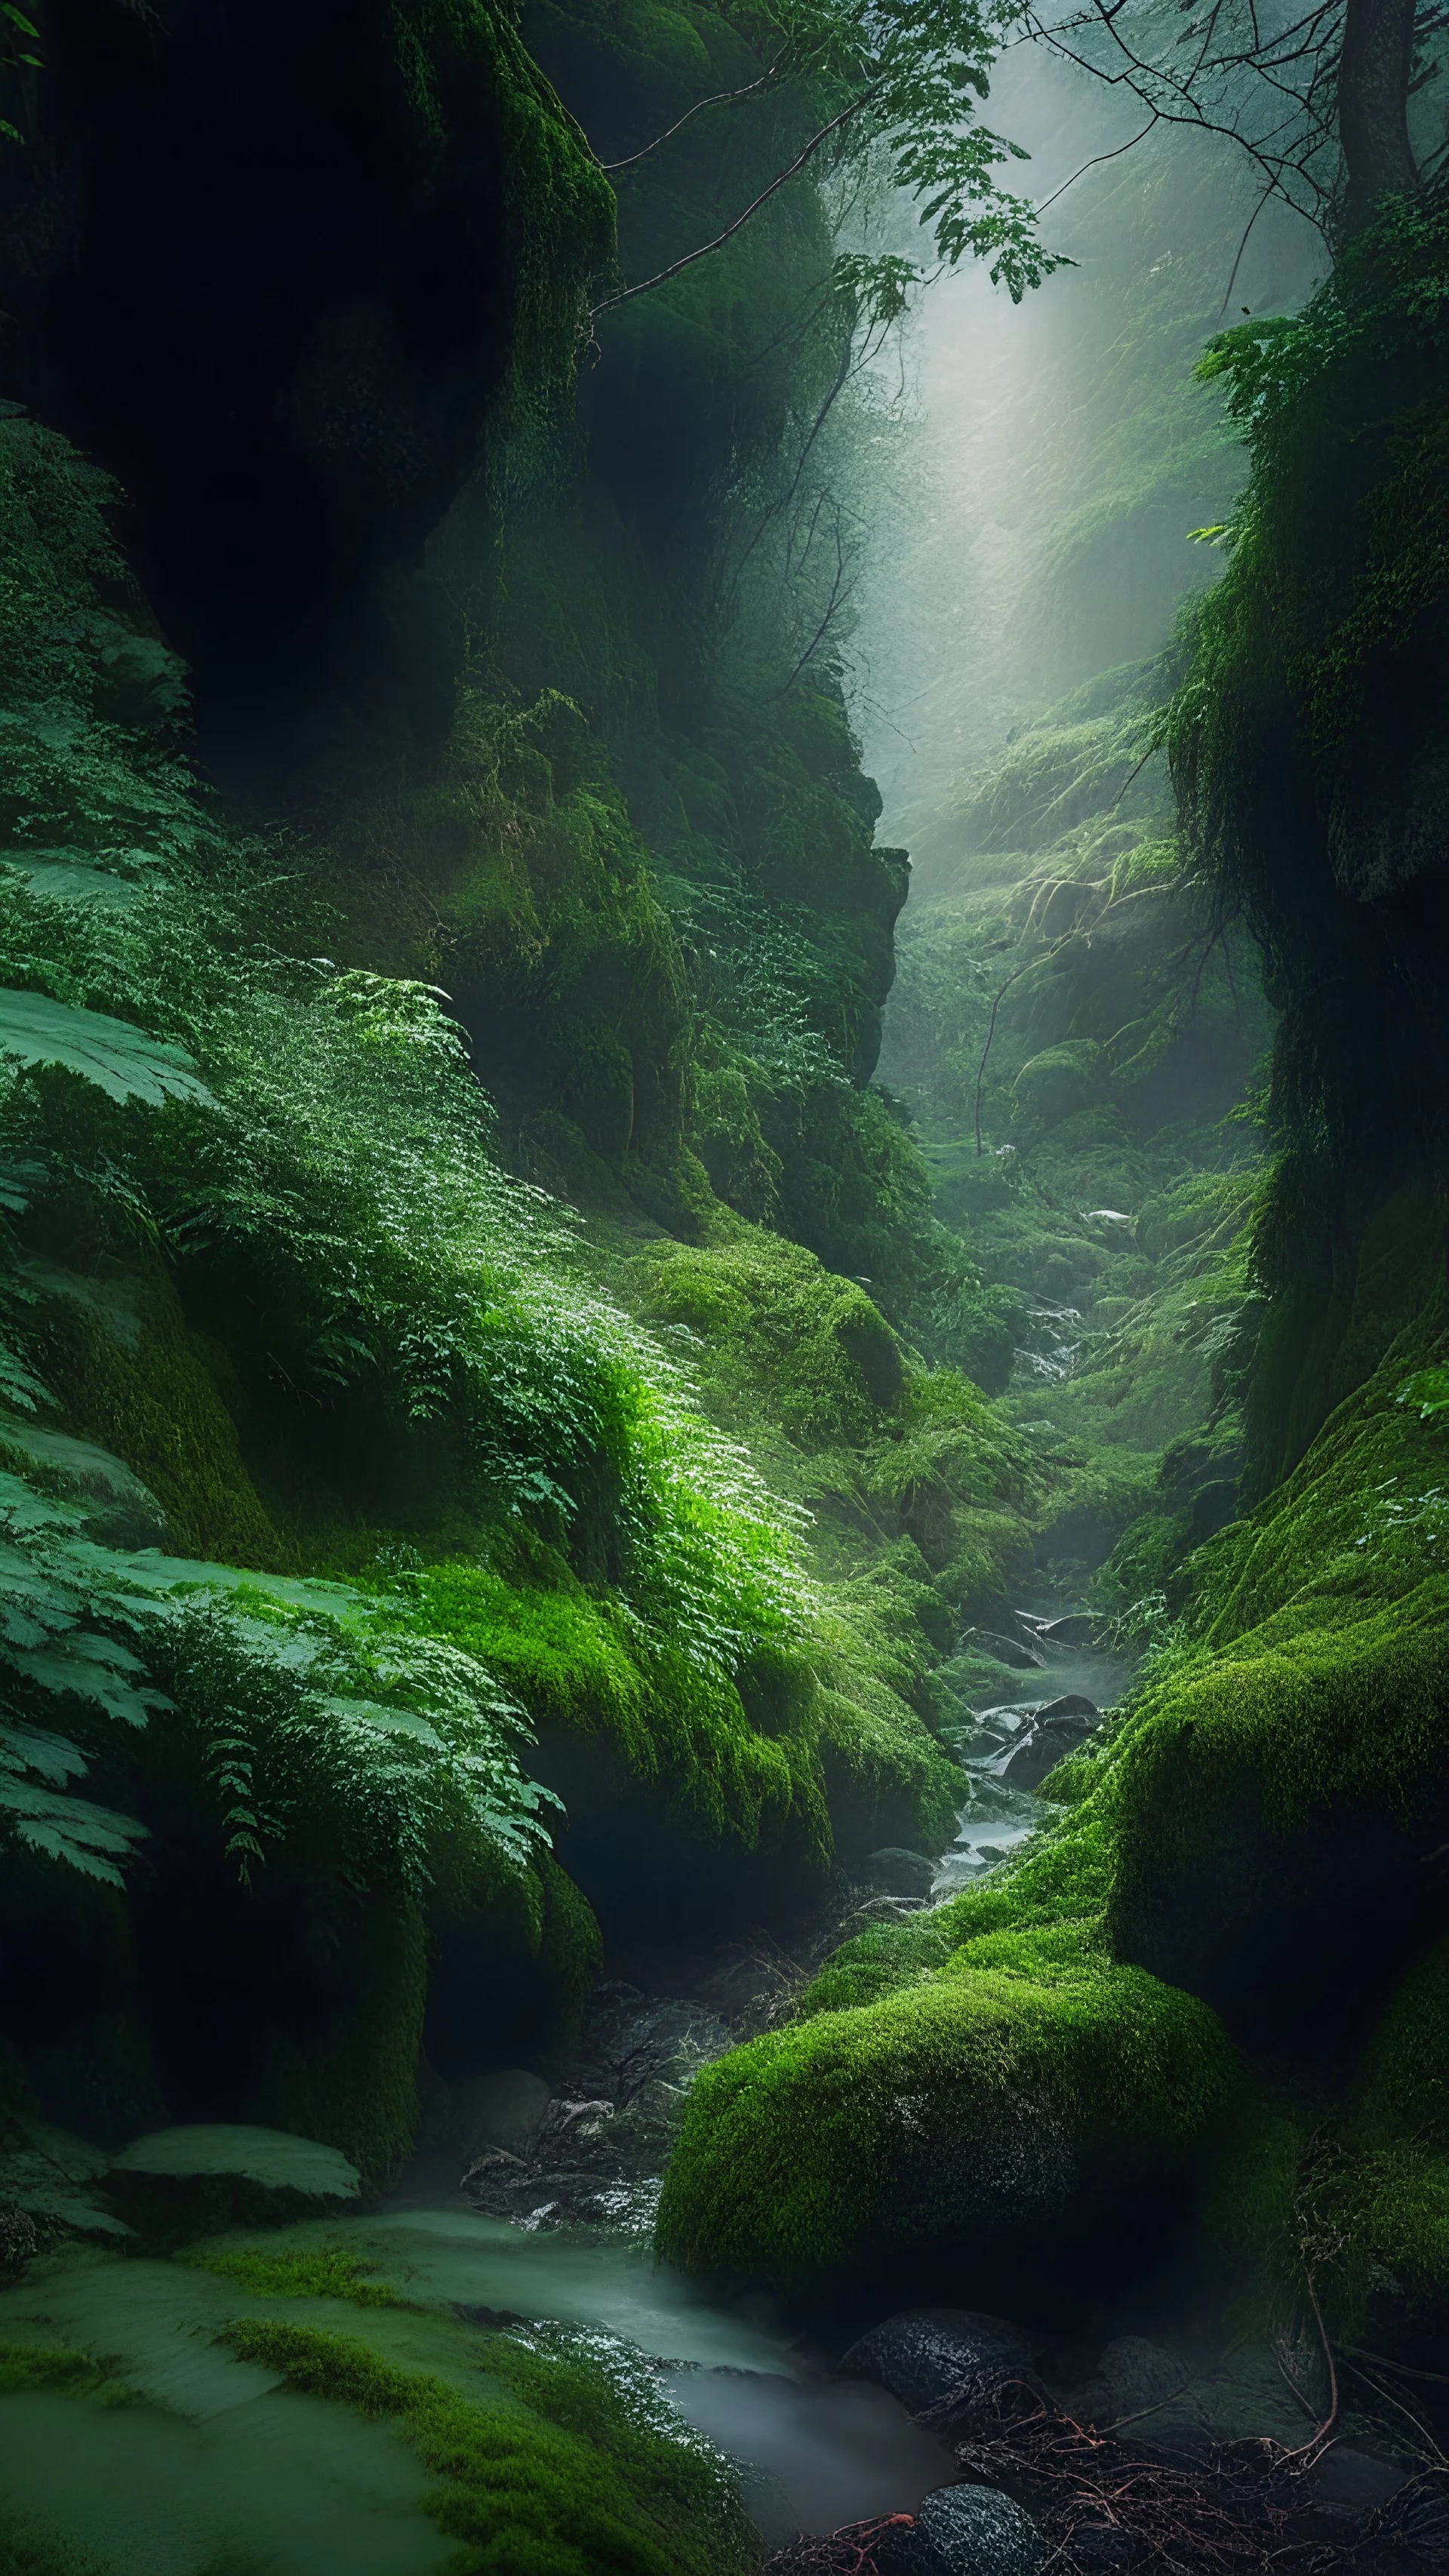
x: 197, y: 2179
x: 1306, y: 1739
x: 1012, y: 2100
x: 1060, y: 1083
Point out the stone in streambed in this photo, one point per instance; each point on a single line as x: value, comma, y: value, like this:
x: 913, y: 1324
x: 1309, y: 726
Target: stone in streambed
x: 1005, y: 1650
x: 897, y: 1872
x: 1057, y: 1730
x: 926, y: 2354
x: 1140, y: 2392
x: 903, y: 2549
x: 978, y: 2531
x: 1077, y: 1628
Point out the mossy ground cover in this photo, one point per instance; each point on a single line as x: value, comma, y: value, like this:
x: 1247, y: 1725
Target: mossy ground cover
x: 570, y: 2478
x: 547, y: 2447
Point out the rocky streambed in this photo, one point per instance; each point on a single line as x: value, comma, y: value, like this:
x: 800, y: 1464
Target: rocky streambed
x: 938, y: 2442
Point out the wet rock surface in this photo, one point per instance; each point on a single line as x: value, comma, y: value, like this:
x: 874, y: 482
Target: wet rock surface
x: 896, y: 1872
x: 926, y: 2356
x: 1055, y: 1730
x: 1013, y: 1651
x: 979, y: 2531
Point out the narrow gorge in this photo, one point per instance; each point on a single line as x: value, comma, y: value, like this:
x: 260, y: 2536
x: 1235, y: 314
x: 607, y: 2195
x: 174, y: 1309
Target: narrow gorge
x: 724, y: 1358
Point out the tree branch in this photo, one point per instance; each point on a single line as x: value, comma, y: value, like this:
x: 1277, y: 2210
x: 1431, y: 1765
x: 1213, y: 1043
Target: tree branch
x: 806, y: 154
x: 721, y: 98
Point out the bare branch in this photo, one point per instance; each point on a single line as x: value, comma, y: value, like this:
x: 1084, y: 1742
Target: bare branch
x: 805, y: 155
x: 721, y: 98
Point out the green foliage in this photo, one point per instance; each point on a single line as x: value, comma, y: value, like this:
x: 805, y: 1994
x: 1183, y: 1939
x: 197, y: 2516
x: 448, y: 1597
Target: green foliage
x: 585, y: 2468
x: 56, y: 2369
x: 115, y: 1057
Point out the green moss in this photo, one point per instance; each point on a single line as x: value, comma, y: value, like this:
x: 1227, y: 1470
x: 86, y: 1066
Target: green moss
x: 681, y: 1736
x: 28, y: 2551
x: 144, y: 1389
x: 58, y: 2371
x: 313, y: 2272
x: 1018, y: 2074
x: 570, y: 1955
x: 1320, y: 1686
x: 813, y: 1350
x: 1305, y: 746
x: 355, y: 2087
x: 571, y: 2472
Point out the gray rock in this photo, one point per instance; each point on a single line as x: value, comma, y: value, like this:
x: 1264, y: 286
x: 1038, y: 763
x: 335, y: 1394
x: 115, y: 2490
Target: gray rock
x: 1078, y: 1628
x: 1141, y: 2393
x: 1007, y: 1650
x: 926, y: 2354
x: 502, y: 2110
x: 903, y: 2549
x: 1136, y: 2374
x: 978, y: 2531
x: 1058, y: 1729
x: 897, y: 1872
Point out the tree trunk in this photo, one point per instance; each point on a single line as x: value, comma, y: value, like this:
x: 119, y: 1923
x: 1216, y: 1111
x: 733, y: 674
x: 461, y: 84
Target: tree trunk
x: 1373, y: 106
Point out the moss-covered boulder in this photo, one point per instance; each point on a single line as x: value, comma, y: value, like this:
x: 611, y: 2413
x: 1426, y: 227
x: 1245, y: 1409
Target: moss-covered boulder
x: 1303, y: 1745
x: 1005, y: 2071
x: 979, y: 2092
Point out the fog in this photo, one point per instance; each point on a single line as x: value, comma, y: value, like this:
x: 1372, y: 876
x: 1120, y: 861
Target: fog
x: 1036, y: 469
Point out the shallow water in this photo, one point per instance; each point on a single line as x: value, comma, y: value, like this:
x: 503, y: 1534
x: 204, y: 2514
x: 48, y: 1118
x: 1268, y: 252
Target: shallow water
x: 825, y: 2450
x: 996, y: 1818
x: 215, y: 2470
x: 835, y: 2450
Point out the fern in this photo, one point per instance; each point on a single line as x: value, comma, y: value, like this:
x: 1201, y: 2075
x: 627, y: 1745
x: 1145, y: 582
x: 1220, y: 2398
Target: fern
x: 34, y: 1770
x: 120, y: 1060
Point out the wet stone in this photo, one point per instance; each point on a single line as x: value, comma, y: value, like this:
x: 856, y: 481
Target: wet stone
x: 1076, y: 1628
x: 926, y: 2355
x: 978, y: 2531
x: 1139, y: 2391
x: 1057, y: 1730
x: 595, y: 2156
x: 897, y: 1872
x: 503, y: 2111
x: 1006, y: 1650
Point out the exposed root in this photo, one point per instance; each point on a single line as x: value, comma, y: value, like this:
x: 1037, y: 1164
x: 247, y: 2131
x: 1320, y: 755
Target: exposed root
x: 850, y: 2551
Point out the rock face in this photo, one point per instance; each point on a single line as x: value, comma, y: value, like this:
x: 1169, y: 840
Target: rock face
x: 927, y: 2354
x: 897, y: 1872
x: 278, y: 304
x: 978, y: 2531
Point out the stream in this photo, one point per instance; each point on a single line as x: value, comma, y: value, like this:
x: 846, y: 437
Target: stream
x: 555, y: 2223
x: 574, y: 2243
